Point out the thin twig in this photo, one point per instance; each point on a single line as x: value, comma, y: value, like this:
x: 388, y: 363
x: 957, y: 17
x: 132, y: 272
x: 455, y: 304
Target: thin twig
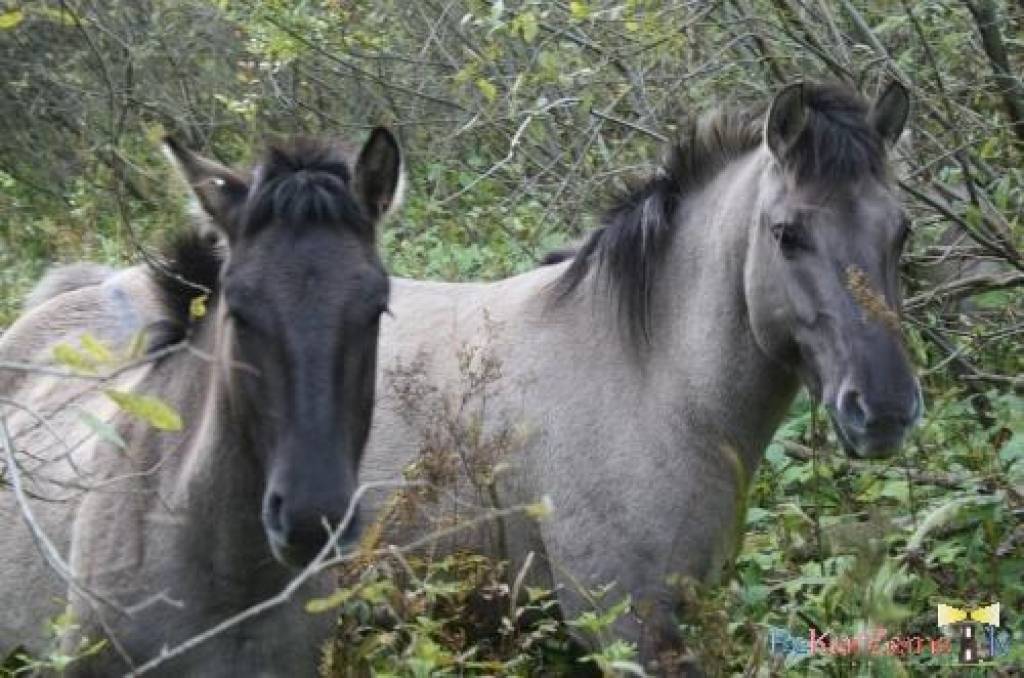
x: 321, y: 563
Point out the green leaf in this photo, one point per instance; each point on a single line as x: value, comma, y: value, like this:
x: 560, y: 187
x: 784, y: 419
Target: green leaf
x: 92, y: 649
x: 70, y: 356
x: 944, y: 514
x: 535, y: 594
x: 756, y: 514
x: 336, y: 599
x: 497, y: 9
x: 85, y: 360
x: 1012, y: 452
x: 137, y: 345
x: 63, y: 17
x: 595, y: 622
x: 548, y: 70
x: 628, y: 667
x: 528, y: 25
x: 993, y: 299
x: 11, y: 18
x: 487, y: 88
x: 63, y: 622
x: 579, y: 10
x: 541, y: 509
x: 102, y: 429
x: 96, y: 349
x: 156, y: 412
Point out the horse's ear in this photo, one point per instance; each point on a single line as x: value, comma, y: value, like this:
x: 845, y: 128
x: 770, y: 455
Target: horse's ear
x: 889, y: 114
x: 379, y: 180
x: 786, y: 119
x: 217, y: 188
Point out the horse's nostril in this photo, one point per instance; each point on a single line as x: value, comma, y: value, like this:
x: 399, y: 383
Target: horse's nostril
x: 852, y: 409
x: 275, y: 512
x: 299, y: 524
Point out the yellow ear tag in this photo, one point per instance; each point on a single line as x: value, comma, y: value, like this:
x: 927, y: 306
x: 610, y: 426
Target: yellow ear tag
x: 197, y: 307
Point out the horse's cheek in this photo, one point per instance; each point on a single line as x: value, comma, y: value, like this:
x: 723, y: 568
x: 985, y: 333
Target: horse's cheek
x: 771, y: 318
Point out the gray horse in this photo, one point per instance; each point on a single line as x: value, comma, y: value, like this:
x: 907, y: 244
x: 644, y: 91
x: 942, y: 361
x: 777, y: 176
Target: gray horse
x: 275, y: 384
x: 644, y: 378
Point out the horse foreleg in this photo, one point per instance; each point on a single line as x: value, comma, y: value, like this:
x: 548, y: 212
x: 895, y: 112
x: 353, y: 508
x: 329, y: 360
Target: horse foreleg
x: 643, y: 548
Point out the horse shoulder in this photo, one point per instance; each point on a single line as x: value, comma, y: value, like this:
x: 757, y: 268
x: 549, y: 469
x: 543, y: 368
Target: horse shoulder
x: 47, y: 418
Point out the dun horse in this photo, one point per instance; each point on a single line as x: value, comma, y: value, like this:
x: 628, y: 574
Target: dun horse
x: 276, y: 388
x: 651, y: 371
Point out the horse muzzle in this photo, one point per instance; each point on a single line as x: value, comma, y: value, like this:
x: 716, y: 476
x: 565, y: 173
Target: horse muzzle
x: 297, y: 537
x: 874, y: 430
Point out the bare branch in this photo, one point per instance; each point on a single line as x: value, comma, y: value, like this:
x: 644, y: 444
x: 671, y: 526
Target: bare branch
x: 965, y: 287
x: 323, y: 561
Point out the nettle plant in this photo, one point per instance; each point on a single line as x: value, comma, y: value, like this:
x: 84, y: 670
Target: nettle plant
x: 403, y: 612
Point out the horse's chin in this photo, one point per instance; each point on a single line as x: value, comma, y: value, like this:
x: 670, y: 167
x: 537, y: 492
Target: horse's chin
x: 299, y: 558
x: 862, y: 446
x: 290, y: 556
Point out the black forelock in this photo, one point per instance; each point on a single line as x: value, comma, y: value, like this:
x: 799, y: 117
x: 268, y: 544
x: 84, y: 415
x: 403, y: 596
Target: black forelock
x: 836, y: 144
x: 304, y: 182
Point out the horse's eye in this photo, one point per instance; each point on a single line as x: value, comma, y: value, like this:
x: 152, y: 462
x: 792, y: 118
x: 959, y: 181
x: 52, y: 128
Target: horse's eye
x: 904, y: 234
x: 790, y: 236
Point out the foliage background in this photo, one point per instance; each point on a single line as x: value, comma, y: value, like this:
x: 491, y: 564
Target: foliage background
x: 519, y: 119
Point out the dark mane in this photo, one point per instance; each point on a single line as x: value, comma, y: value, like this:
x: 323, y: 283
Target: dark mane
x: 836, y: 144
x: 189, y: 268
x: 306, y: 181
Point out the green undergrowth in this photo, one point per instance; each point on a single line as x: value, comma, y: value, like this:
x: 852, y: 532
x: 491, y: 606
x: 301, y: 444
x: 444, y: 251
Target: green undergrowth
x: 835, y: 547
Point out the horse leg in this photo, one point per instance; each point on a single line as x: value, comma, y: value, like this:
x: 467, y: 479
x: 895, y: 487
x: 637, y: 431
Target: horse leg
x: 652, y: 626
x: 643, y: 542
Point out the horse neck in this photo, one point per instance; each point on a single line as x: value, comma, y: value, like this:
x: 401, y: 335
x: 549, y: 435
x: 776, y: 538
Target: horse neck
x: 707, y: 358
x: 216, y: 484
